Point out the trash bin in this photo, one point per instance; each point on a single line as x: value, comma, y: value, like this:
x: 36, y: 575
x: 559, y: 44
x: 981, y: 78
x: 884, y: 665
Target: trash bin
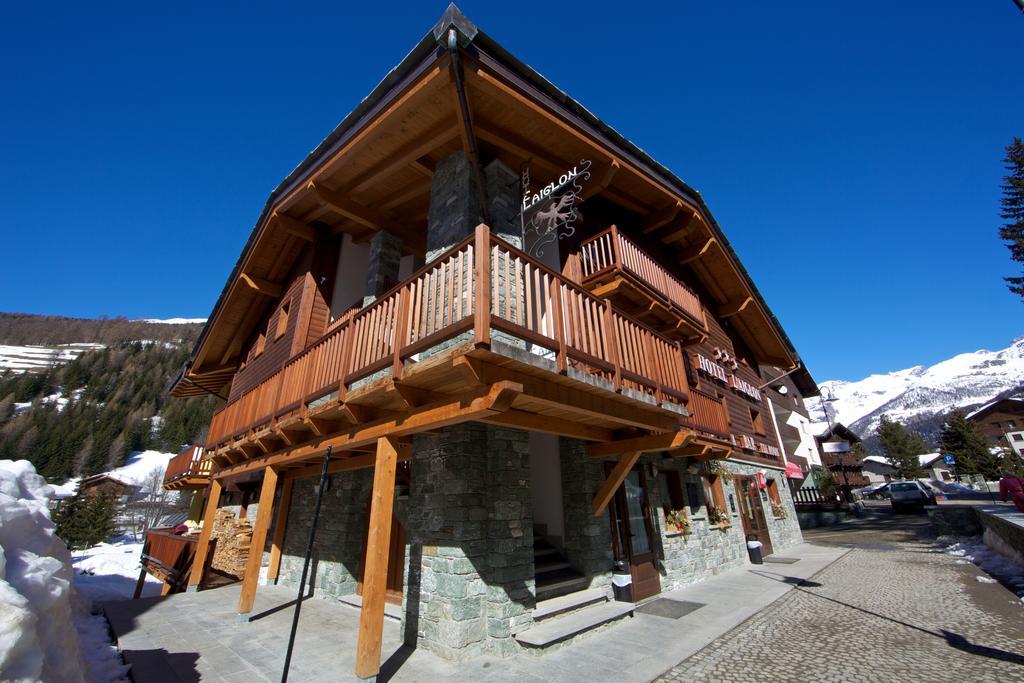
x: 754, y: 550
x: 622, y: 582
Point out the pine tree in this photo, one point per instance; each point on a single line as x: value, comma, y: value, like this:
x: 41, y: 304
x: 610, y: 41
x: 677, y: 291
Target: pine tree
x: 901, y: 447
x: 1012, y: 231
x: 87, y: 520
x: 966, y: 441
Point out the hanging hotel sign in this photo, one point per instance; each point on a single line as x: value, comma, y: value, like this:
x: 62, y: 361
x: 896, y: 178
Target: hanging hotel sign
x: 835, y: 446
x: 548, y: 214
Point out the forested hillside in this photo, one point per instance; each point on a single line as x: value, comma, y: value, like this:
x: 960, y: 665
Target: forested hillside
x: 88, y: 415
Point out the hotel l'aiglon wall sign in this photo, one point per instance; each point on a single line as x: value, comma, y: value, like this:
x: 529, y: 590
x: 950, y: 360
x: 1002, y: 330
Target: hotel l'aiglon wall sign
x: 549, y: 214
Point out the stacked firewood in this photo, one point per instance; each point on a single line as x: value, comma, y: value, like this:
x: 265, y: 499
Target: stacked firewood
x: 234, y: 536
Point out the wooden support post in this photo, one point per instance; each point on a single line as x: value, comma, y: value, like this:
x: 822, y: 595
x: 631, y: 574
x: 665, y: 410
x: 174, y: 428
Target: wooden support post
x: 613, y: 343
x: 614, y: 480
x: 259, y: 538
x: 378, y: 542
x: 139, y: 585
x: 482, y: 326
x: 402, y: 322
x: 199, y: 561
x: 279, y: 528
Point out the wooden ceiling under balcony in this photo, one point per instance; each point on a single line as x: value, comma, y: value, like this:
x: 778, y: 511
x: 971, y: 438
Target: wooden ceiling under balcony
x: 381, y: 177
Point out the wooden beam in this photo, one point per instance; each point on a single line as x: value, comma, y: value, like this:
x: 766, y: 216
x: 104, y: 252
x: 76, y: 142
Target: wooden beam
x: 294, y: 227
x: 259, y: 539
x: 687, y: 226
x: 261, y: 286
x: 735, y: 307
x: 610, y: 169
x: 280, y: 524
x: 407, y: 155
x: 614, y: 480
x: 543, y: 423
x: 348, y: 464
x: 475, y: 404
x: 694, y: 253
x: 375, y: 564
x: 415, y: 396
x: 642, y: 444
x: 353, y: 210
x: 661, y: 218
x: 203, y: 548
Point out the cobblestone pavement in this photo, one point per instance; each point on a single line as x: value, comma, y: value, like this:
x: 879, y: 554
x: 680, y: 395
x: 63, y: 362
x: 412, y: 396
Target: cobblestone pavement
x: 895, y: 608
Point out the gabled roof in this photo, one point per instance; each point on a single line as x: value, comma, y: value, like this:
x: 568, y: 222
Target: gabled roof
x: 399, y: 81
x: 1010, y: 405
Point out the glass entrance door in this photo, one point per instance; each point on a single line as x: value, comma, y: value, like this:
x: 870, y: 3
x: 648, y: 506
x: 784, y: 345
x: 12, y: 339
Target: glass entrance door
x: 634, y: 532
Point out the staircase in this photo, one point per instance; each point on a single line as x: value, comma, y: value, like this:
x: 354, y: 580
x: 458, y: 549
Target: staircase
x: 553, y: 575
x: 565, y: 606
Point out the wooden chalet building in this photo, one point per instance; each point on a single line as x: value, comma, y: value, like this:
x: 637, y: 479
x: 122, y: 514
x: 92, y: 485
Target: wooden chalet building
x: 528, y: 346
x: 1002, y: 421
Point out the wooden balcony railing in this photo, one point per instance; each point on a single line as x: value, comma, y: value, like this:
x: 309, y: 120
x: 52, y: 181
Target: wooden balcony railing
x: 479, y: 285
x: 708, y: 414
x: 189, y: 464
x: 168, y: 556
x: 610, y: 250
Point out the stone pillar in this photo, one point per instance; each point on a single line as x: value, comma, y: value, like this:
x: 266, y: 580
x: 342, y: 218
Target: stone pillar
x: 472, y: 535
x: 382, y: 265
x: 588, y: 539
x: 455, y: 203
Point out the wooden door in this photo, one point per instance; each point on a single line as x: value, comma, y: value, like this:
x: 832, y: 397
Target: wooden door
x: 752, y: 511
x: 396, y: 562
x: 633, y: 534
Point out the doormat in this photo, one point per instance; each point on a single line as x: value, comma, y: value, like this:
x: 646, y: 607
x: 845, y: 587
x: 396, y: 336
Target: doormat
x: 772, y: 559
x: 669, y: 608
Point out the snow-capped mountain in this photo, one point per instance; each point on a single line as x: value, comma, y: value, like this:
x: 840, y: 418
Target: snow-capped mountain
x: 920, y: 396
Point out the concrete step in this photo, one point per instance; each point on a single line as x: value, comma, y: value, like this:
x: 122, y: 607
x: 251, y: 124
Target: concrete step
x: 569, y: 602
x: 391, y: 611
x: 562, y: 586
x: 552, y: 631
x: 551, y: 565
x: 545, y: 552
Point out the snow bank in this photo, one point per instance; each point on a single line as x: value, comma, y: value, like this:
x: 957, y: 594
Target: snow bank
x: 1007, y: 570
x: 108, y: 571
x: 42, y: 620
x: 37, y: 639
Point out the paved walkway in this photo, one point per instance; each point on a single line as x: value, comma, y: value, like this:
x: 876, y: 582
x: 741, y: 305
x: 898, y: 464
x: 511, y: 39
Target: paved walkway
x: 893, y: 609
x: 195, y: 636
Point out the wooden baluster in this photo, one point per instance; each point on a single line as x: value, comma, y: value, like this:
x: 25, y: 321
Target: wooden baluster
x: 482, y: 325
x: 556, y: 305
x: 401, y: 333
x: 613, y: 346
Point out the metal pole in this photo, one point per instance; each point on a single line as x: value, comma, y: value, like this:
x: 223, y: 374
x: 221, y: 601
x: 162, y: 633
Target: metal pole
x: 305, y: 565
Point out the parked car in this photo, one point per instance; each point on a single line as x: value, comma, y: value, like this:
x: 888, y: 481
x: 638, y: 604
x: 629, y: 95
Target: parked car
x: 910, y: 494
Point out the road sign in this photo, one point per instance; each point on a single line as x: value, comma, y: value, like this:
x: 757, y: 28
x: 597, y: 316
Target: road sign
x: 950, y: 460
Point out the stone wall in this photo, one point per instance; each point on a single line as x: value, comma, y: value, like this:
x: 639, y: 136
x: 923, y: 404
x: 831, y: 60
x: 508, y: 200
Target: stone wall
x: 470, y: 581
x: 708, y: 549
x: 588, y: 539
x: 339, y: 537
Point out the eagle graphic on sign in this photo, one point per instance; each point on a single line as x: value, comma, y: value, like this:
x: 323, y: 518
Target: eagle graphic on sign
x: 548, y: 214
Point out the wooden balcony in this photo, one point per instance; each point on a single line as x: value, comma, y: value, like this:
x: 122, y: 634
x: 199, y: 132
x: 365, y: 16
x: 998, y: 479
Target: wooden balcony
x: 613, y: 267
x: 481, y: 322
x: 168, y: 557
x: 189, y: 469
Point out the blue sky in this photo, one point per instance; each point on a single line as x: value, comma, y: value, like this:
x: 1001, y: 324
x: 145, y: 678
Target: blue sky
x: 851, y: 151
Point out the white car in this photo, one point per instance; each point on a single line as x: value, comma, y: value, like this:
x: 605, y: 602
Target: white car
x: 909, y: 494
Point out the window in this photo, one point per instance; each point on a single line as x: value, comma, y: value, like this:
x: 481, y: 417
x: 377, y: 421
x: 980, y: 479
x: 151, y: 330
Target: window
x: 671, y: 490
x: 694, y: 495
x: 755, y: 418
x: 282, y: 322
x: 1010, y: 425
x: 261, y: 341
x: 773, y: 493
x: 715, y: 497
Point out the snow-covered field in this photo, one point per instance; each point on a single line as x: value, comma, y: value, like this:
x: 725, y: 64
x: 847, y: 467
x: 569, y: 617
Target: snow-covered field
x: 173, y: 321
x: 25, y: 358
x: 108, y: 571
x: 47, y: 630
